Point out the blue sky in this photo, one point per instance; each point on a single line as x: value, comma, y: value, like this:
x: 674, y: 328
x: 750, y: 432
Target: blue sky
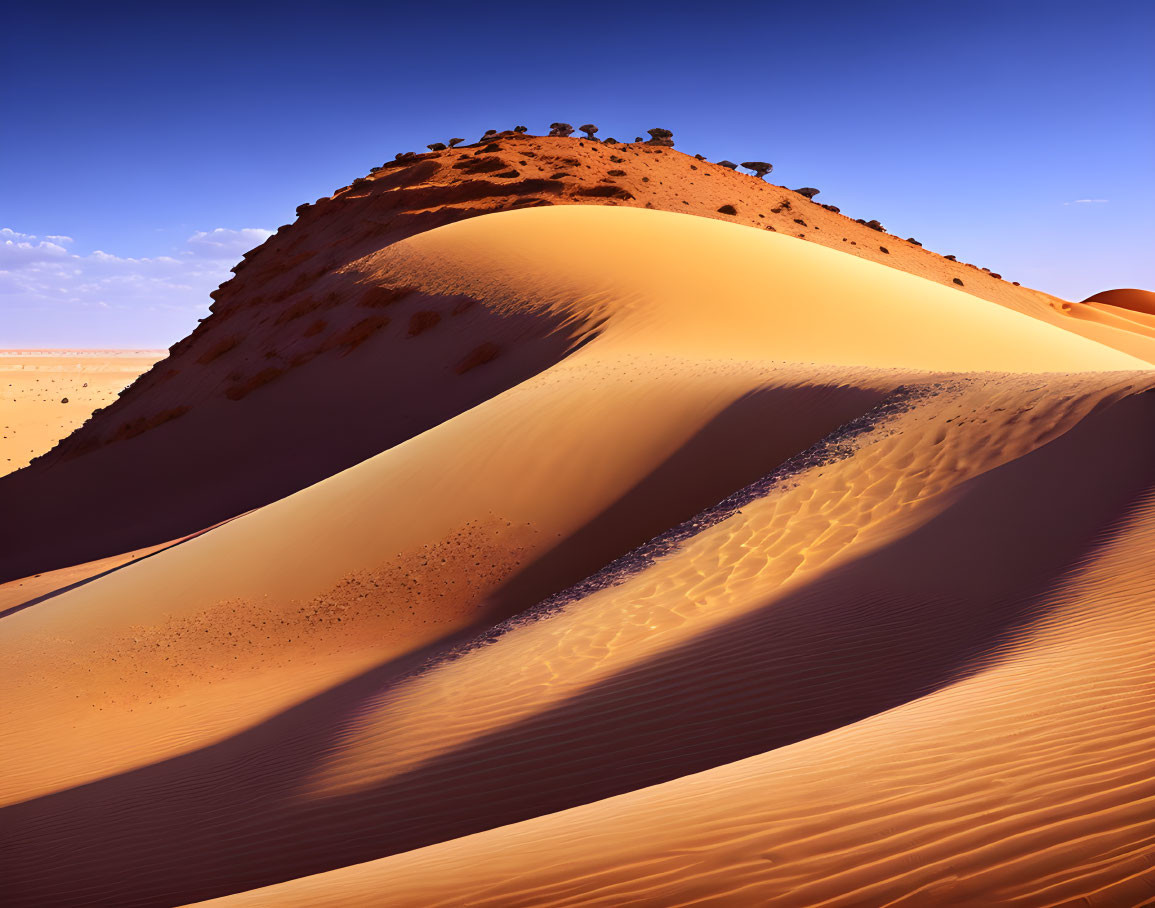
x: 144, y: 147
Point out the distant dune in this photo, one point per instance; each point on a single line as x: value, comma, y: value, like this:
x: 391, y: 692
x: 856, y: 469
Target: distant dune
x: 535, y: 538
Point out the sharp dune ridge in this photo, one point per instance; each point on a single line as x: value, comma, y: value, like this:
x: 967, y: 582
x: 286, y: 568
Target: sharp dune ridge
x: 514, y: 533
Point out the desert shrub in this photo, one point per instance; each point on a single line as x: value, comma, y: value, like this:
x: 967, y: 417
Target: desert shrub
x: 420, y: 322
x: 355, y: 335
x: 376, y: 297
x: 249, y: 385
x: 606, y: 191
x: 727, y: 209
x: 299, y: 308
x: 661, y: 137
x: 143, y: 423
x: 480, y: 165
x: 219, y: 349
x: 478, y: 356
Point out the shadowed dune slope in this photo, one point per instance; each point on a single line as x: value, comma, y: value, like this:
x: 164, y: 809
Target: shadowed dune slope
x: 768, y: 575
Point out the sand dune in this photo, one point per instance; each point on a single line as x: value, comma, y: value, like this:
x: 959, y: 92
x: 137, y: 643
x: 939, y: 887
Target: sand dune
x: 743, y: 571
x: 306, y: 340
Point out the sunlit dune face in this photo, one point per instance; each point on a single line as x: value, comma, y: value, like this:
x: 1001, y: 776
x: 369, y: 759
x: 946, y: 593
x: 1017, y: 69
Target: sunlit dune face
x: 665, y: 561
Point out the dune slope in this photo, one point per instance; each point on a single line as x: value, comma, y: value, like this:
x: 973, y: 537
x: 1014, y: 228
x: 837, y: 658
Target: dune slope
x: 735, y: 589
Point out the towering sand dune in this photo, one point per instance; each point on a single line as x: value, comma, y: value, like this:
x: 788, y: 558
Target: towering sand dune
x: 762, y: 574
x: 313, y: 362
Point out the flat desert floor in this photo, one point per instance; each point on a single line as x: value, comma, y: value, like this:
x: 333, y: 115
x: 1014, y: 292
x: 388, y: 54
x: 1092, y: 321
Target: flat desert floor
x: 47, y: 394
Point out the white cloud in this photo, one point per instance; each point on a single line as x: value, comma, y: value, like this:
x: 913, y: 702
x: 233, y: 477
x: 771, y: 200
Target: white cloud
x: 223, y: 243
x: 46, y: 284
x: 1087, y: 202
x: 17, y: 248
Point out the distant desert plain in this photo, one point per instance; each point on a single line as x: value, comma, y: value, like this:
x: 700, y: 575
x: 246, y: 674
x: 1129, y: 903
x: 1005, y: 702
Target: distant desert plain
x: 544, y: 521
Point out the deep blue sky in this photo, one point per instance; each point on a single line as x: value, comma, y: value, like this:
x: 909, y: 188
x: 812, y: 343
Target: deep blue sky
x: 976, y: 127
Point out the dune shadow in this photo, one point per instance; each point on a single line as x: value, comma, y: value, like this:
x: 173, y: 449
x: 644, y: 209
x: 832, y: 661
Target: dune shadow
x: 897, y: 623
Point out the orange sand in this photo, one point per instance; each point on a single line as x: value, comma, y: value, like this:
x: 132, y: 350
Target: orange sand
x: 746, y: 572
x: 34, y: 384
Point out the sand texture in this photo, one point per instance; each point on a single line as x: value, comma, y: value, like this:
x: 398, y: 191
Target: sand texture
x: 601, y: 551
